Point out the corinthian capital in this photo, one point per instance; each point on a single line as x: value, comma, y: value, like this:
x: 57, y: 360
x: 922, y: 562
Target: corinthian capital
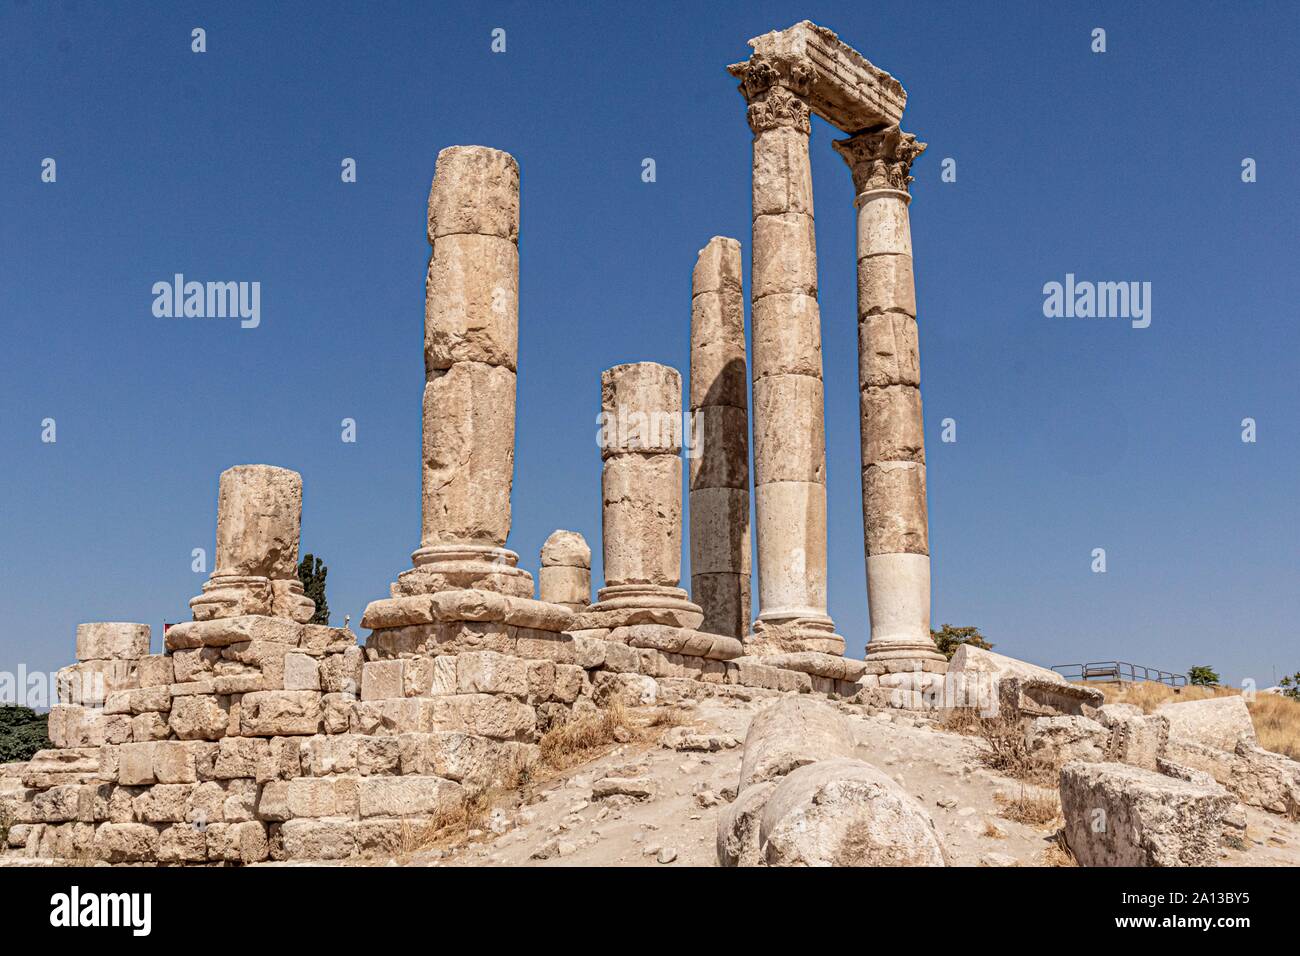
x: 880, y: 159
x: 776, y: 91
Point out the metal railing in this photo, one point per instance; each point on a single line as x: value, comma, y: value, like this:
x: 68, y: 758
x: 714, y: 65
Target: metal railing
x: 1118, y: 672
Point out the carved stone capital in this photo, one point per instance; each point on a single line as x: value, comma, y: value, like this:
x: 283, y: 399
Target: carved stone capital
x: 880, y: 159
x: 776, y: 91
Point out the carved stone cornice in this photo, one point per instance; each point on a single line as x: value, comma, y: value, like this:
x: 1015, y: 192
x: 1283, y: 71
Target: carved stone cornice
x: 776, y: 91
x: 880, y: 159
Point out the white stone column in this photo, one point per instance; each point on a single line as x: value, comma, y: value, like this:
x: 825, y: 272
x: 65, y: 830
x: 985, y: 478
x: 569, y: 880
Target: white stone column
x: 789, y: 437
x: 471, y: 323
x: 718, y: 450
x: 893, y: 444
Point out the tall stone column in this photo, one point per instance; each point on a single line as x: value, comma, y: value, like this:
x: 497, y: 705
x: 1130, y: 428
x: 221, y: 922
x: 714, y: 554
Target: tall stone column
x: 641, y: 485
x: 259, y: 518
x: 889, y: 376
x: 471, y: 323
x: 718, y: 452
x: 789, y: 436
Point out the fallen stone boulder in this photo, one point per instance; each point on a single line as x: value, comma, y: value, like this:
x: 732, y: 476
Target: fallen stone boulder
x: 1028, y: 697
x: 1137, y: 739
x: 1214, y: 722
x: 1119, y: 815
x: 738, y: 843
x: 844, y: 812
x: 791, y: 733
x: 1054, y: 741
x: 976, y: 660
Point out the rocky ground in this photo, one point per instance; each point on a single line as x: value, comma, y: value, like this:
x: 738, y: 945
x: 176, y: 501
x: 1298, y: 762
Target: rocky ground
x: 657, y: 804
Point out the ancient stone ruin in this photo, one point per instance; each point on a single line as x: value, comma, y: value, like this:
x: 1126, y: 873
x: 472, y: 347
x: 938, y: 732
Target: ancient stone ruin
x: 256, y: 735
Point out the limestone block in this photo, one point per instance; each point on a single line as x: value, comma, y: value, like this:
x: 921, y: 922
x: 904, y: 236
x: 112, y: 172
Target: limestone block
x: 1028, y: 697
x: 126, y: 842
x: 282, y: 760
x: 1139, y: 740
x: 679, y: 640
x: 243, y: 842
x: 888, y: 353
x: 567, y: 549
x: 259, y: 513
x: 316, y: 840
x: 238, y: 757
x: 787, y: 335
x: 149, y: 726
x: 976, y: 660
x: 785, y: 255
x: 718, y: 267
x: 289, y: 601
x: 173, y: 761
x: 301, y: 672
x: 429, y: 676
x: 1118, y: 815
x: 791, y: 533
x: 341, y: 673
x: 226, y: 631
x: 164, y: 803
x: 319, y: 639
x: 233, y: 595
x: 469, y: 428
x: 335, y: 796
x: 90, y: 682
x: 382, y: 679
x: 1216, y: 721
x: 718, y: 369
x: 475, y: 190
x: 200, y: 717
x: 471, y: 307
x: 883, y: 226
x: 641, y: 409
x: 498, y: 717
x: 58, y: 766
x: 280, y: 713
x: 467, y: 758
x: 725, y: 599
x: 782, y: 174
x: 104, y: 640
x: 843, y: 812
x: 406, y: 796
x: 789, y: 432
x: 570, y: 586
x: 182, y: 843
x: 738, y: 827
x: 886, y: 284
x: 1058, y: 740
x: 1261, y: 778
x: 719, y: 449
x: 641, y: 499
x: 746, y: 673
x: 156, y: 670
x: 891, y: 424
x: 484, y: 672
x: 631, y: 690
x: 720, y: 540
x: 791, y: 733
x: 894, y: 504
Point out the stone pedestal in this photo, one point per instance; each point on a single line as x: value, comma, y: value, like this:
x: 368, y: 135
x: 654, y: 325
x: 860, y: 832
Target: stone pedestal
x: 893, y: 444
x: 471, y: 320
x: 641, y: 411
x: 259, y: 517
x: 718, y: 452
x: 565, y: 576
x: 789, y: 441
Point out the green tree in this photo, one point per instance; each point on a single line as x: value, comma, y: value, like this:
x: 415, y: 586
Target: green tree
x: 1290, y: 686
x: 311, y: 572
x: 1202, y: 675
x: 22, y: 732
x: 949, y: 638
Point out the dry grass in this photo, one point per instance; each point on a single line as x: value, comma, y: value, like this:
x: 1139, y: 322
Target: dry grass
x: 586, y: 737
x: 993, y: 832
x: 1033, y: 807
x: 1276, y: 718
x: 1057, y: 853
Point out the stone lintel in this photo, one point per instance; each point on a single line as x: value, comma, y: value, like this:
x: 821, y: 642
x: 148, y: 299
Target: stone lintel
x: 847, y: 90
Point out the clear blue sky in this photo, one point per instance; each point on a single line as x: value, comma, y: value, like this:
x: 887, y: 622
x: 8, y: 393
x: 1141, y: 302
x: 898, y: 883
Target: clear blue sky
x: 1072, y: 434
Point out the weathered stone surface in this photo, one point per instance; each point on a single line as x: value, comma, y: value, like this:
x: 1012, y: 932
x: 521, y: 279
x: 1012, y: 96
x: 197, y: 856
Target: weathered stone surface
x: 280, y: 713
x: 567, y: 586
x: 883, y: 227
x: 1216, y: 721
x: 223, y: 632
x: 1118, y: 815
x: 471, y: 309
x: 891, y: 424
x: 199, y: 717
x: 259, y: 513
x: 791, y: 733
x: 641, y: 406
x: 843, y: 812
x: 406, y: 796
x: 1058, y: 740
x: 893, y: 500
x: 719, y: 449
x: 785, y: 255
x: 1136, y: 739
x: 469, y: 454
x: 787, y: 338
x: 885, y: 284
x: 974, y: 660
x: 887, y: 350
x: 789, y: 438
x: 642, y: 507
x: 1020, y: 697
x: 105, y: 640
x: 738, y: 842
x: 126, y: 842
x: 475, y: 190
x: 725, y: 598
x: 566, y: 549
x: 791, y: 541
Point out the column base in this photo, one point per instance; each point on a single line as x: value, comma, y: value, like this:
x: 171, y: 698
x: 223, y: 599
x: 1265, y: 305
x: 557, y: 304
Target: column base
x: 792, y: 635
x: 623, y: 604
x: 237, y: 595
x: 895, y: 657
x: 455, y: 567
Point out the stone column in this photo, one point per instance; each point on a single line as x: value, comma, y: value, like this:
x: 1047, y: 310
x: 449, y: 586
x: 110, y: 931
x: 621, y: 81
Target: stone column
x: 718, y: 450
x: 889, y: 376
x: 789, y: 437
x: 471, y: 322
x: 641, y: 416
x: 565, y: 576
x: 259, y: 517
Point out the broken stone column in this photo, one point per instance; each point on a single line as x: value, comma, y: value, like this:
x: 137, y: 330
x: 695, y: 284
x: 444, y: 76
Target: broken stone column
x: 565, y: 576
x: 889, y: 376
x: 259, y: 517
x: 719, y: 450
x: 471, y: 320
x: 641, y: 413
x: 789, y: 437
